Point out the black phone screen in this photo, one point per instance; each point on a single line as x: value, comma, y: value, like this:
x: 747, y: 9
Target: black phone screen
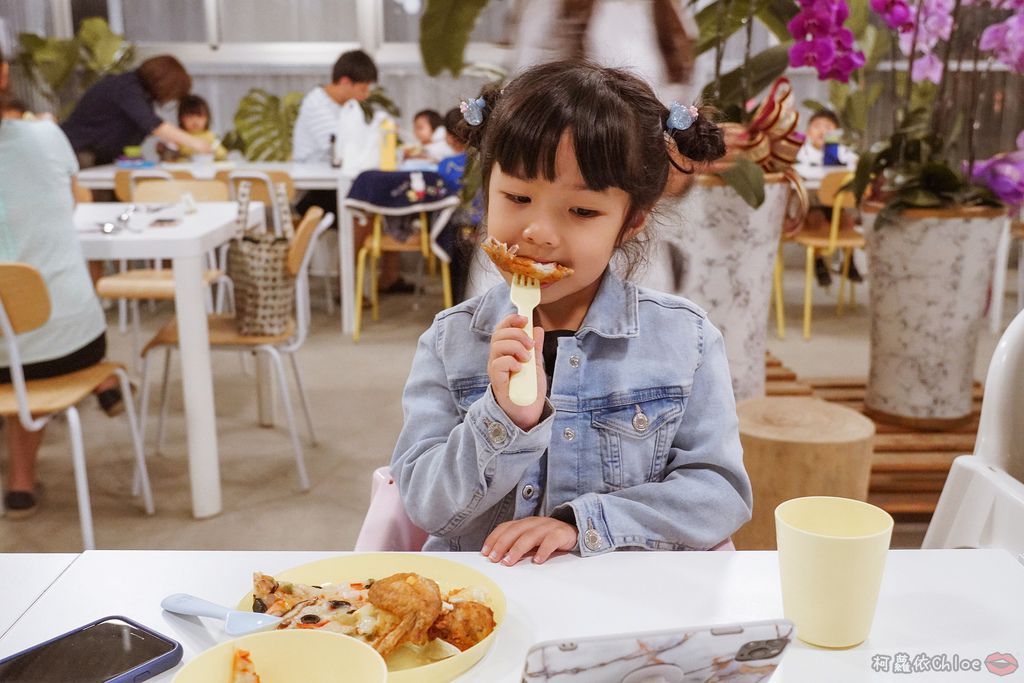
x: 93, y: 654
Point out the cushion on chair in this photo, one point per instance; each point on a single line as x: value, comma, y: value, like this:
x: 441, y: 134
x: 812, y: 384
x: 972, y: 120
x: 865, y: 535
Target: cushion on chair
x: 54, y: 394
x: 144, y: 283
x: 386, y: 527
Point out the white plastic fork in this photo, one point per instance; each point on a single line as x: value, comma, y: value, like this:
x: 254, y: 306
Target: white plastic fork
x: 522, y: 388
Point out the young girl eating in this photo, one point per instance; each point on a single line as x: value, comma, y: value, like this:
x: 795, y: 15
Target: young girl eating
x: 632, y: 440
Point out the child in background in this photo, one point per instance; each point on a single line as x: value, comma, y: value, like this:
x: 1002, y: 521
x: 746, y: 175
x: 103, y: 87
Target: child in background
x: 194, y: 118
x: 823, y: 123
x: 429, y: 129
x: 633, y: 440
x: 452, y: 167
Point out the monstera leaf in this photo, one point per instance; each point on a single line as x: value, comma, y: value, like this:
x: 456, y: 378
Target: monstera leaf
x: 264, y: 123
x: 444, y: 33
x: 379, y: 99
x: 102, y: 51
x: 50, y: 61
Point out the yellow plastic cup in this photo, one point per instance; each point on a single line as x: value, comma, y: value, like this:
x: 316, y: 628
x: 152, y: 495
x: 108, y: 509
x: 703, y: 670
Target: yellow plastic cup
x: 831, y: 559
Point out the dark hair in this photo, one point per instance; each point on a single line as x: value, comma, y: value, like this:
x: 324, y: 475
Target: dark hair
x: 164, y: 78
x: 453, y: 124
x: 616, y: 122
x: 355, y: 65
x: 825, y: 114
x: 193, y: 105
x: 13, y: 104
x: 433, y: 118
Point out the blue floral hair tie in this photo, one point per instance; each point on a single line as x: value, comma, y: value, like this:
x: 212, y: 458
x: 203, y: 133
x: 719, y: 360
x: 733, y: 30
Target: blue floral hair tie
x: 473, y: 111
x: 680, y: 117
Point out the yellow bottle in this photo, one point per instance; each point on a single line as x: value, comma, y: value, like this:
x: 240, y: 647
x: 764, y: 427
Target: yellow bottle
x: 388, y: 146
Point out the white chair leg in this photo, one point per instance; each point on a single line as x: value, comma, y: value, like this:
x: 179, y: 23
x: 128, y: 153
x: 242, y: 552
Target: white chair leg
x: 164, y: 389
x: 137, y: 443
x: 136, y: 335
x: 81, y: 479
x: 300, y: 463
x: 143, y: 412
x: 302, y: 397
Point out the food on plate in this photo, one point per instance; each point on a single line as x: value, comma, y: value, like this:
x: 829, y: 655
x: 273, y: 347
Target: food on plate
x: 242, y: 668
x: 507, y: 259
x: 401, y: 610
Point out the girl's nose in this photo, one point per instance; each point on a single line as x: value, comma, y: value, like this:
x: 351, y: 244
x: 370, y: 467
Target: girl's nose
x: 540, y: 233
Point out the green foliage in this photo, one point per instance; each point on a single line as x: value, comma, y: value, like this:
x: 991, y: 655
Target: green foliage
x: 63, y: 69
x: 263, y: 125
x: 761, y: 70
x: 444, y: 33
x: 747, y: 178
x: 379, y: 99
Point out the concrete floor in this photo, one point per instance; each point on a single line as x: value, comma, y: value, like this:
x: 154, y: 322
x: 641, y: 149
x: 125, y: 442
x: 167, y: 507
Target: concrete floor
x: 355, y: 392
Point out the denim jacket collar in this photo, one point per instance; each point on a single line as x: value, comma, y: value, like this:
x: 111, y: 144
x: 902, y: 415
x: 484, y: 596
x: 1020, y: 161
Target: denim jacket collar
x: 612, y: 314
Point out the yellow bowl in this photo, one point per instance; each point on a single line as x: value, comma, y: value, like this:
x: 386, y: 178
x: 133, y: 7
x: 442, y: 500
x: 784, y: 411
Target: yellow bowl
x: 286, y: 656
x: 378, y: 565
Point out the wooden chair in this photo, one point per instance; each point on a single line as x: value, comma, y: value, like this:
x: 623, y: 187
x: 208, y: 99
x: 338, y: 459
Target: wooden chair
x: 155, y: 283
x: 126, y: 180
x: 224, y: 336
x: 25, y: 306
x: 376, y: 244
x: 263, y: 189
x: 815, y: 240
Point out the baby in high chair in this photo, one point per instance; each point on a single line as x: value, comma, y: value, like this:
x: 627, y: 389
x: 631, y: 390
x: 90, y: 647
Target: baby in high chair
x: 631, y: 440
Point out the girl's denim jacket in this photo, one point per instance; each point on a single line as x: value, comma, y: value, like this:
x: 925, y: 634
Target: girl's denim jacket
x: 638, y: 444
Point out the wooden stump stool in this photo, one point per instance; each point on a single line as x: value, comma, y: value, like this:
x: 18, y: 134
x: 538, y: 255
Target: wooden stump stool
x: 799, y: 446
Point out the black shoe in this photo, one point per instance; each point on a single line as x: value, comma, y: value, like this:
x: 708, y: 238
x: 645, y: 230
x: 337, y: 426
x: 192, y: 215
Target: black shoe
x: 112, y: 401
x: 821, y: 272
x: 22, y: 504
x: 399, y: 286
x: 854, y: 274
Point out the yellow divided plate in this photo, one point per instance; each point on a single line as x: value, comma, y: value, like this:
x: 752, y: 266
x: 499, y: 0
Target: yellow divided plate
x: 289, y: 656
x: 364, y: 566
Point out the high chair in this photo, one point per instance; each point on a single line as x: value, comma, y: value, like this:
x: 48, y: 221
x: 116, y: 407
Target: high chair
x: 224, y: 336
x: 386, y: 526
x: 376, y: 244
x: 982, y: 502
x: 25, y: 306
x: 815, y: 241
x: 154, y: 283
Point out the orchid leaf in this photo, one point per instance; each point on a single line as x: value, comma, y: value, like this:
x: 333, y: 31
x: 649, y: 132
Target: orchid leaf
x: 747, y: 178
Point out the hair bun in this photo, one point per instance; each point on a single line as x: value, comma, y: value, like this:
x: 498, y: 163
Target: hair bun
x: 473, y: 135
x: 704, y: 140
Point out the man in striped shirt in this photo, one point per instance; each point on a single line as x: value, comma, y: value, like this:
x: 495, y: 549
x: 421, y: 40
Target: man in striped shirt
x: 351, y: 78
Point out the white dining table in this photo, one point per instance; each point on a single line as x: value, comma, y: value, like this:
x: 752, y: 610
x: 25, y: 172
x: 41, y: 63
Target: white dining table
x: 953, y: 603
x: 35, y: 573
x: 186, y: 244
x: 320, y: 176
x: 812, y: 175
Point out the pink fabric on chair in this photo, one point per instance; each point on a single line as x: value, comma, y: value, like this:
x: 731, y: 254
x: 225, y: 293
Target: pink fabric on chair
x: 386, y: 526
x: 725, y: 545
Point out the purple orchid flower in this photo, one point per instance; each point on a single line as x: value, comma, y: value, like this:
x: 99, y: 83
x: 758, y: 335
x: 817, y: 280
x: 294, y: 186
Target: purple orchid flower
x: 1004, y: 175
x: 822, y: 41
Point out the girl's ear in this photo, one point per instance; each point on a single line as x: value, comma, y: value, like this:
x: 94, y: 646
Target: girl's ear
x: 634, y: 225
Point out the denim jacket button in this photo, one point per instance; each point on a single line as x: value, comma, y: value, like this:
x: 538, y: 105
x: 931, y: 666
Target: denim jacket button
x: 569, y: 434
x: 574, y: 361
x: 528, y: 491
x: 497, y: 433
x: 592, y: 539
x: 640, y: 421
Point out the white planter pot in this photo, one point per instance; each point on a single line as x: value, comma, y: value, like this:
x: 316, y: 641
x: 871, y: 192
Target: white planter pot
x: 728, y: 253
x: 930, y: 273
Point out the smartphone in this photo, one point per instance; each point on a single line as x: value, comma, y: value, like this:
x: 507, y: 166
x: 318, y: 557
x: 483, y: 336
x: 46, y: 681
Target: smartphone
x: 742, y: 653
x: 108, y: 650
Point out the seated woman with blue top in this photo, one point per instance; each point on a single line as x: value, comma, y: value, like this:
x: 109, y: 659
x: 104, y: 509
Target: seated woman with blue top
x: 118, y: 112
x: 37, y: 170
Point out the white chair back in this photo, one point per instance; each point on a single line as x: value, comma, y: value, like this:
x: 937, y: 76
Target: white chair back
x: 982, y: 502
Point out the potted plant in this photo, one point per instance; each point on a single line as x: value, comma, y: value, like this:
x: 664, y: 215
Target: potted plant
x: 933, y: 214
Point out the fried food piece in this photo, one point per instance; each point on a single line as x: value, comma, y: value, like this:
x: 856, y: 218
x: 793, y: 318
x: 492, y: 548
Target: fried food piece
x: 416, y: 601
x: 465, y: 625
x: 506, y: 259
x: 242, y: 668
x: 275, y: 598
